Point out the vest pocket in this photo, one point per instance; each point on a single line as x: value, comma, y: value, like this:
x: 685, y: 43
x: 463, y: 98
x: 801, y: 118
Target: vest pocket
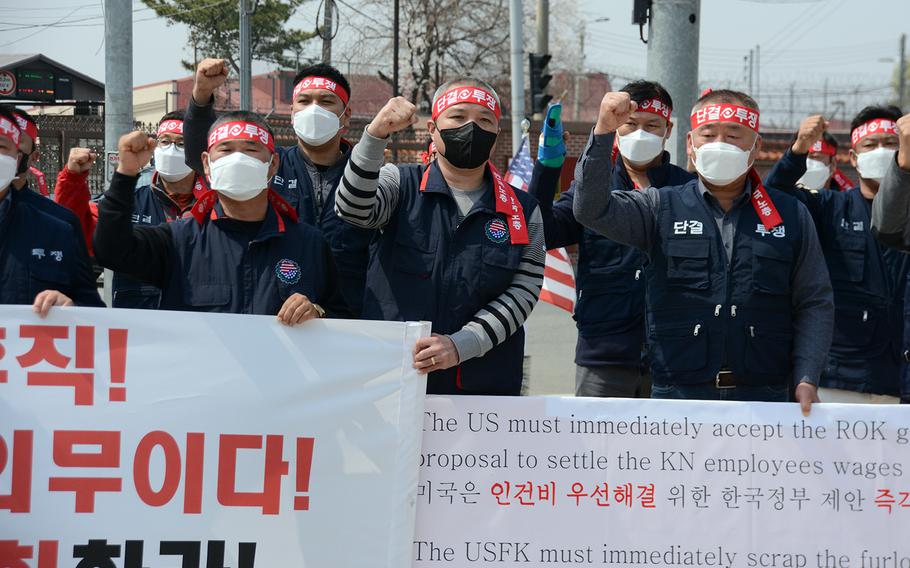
x: 770, y: 268
x: 855, y: 330
x: 412, y: 259
x: 847, y: 260
x: 207, y: 295
x: 768, y: 352
x: 680, y: 347
x: 688, y: 263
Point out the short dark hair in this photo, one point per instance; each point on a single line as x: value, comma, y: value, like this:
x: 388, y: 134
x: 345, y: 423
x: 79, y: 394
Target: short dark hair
x: 242, y: 115
x: 173, y: 115
x: 728, y: 96
x: 872, y: 112
x: 642, y: 90
x: 323, y: 70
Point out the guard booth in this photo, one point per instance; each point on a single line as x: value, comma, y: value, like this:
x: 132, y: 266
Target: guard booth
x: 68, y: 106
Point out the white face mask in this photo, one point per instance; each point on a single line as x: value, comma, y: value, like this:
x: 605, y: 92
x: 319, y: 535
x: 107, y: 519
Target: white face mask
x: 816, y: 176
x: 7, y: 170
x: 874, y: 163
x: 170, y: 163
x: 721, y: 163
x: 316, y: 125
x: 640, y: 147
x: 238, y: 176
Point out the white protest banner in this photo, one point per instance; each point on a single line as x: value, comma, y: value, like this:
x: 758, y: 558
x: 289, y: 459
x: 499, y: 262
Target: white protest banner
x: 156, y: 439
x: 630, y: 483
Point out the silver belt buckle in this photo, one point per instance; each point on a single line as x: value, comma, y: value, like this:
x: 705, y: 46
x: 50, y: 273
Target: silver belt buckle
x: 718, y: 377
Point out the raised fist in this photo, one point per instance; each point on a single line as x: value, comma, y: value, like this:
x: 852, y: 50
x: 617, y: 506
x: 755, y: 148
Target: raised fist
x: 615, y: 109
x: 903, y: 131
x: 80, y: 160
x: 210, y: 75
x: 135, y: 151
x: 810, y: 132
x: 395, y: 116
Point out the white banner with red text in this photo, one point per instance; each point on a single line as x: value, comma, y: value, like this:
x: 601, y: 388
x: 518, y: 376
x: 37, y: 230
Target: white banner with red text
x: 155, y: 439
x: 552, y: 481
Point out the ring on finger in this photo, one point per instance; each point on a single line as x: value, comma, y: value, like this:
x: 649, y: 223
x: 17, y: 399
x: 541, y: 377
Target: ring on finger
x: 433, y: 361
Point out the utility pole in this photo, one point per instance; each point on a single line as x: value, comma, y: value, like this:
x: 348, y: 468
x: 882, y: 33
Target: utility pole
x: 246, y: 58
x: 543, y: 34
x: 825, y: 98
x: 673, y: 61
x: 576, y: 100
x: 396, y: 88
x: 327, y: 27
x: 518, y: 75
x: 902, y: 77
x: 757, y: 92
x: 751, y: 69
x: 118, y: 91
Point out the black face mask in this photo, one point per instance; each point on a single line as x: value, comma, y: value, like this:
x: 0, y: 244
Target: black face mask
x: 467, y: 146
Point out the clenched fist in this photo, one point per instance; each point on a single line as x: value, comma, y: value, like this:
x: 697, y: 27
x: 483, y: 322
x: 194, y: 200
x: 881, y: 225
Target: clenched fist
x: 80, y: 160
x: 810, y: 132
x: 210, y: 75
x: 395, y: 116
x: 903, y: 131
x: 135, y: 151
x: 615, y: 109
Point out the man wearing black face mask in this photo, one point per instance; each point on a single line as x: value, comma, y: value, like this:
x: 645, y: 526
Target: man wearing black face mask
x: 459, y: 247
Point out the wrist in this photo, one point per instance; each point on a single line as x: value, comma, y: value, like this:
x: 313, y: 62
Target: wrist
x: 127, y: 171
x: 798, y: 148
x: 601, y: 128
x: 202, y: 97
x: 903, y: 159
x: 376, y: 132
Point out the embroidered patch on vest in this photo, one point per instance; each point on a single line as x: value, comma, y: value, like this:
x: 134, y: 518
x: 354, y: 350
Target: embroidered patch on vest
x: 288, y: 271
x: 497, y: 231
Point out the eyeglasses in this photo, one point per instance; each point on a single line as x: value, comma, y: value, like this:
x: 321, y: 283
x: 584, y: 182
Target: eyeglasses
x: 165, y: 144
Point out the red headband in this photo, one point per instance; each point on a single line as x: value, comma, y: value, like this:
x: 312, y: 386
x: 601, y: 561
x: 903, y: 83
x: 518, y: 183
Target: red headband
x: 28, y: 127
x: 321, y: 83
x: 877, y: 126
x: 170, y: 127
x: 657, y: 107
x: 472, y: 95
x: 241, y: 130
x: 10, y: 131
x: 822, y: 147
x: 725, y: 113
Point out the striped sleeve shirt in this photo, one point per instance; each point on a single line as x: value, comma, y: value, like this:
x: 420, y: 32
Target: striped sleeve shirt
x: 368, y: 197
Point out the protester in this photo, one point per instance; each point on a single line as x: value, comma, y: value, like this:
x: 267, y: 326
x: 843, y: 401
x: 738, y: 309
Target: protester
x: 610, y: 312
x: 869, y: 280
x: 41, y: 261
x: 171, y: 194
x: 891, y: 209
x: 310, y: 171
x: 241, y: 251
x: 458, y: 246
x: 739, y: 299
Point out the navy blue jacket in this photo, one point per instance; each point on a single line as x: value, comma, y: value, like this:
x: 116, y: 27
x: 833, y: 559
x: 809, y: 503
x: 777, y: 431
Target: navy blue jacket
x: 869, y: 282
x: 53, y: 209
x: 610, y: 311
x: 429, y: 267
x: 705, y: 313
x: 39, y: 251
x: 298, y: 181
x: 219, y: 265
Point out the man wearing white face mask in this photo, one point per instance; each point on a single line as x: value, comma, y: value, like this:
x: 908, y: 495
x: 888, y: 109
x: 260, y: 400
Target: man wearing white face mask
x: 869, y: 279
x: 171, y: 194
x: 241, y: 250
x: 311, y: 170
x: 739, y: 301
x: 610, y: 312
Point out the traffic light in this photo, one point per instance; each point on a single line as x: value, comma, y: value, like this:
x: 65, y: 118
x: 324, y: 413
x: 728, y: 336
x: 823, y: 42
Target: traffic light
x: 539, y: 81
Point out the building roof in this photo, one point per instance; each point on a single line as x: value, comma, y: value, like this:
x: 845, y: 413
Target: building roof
x: 8, y: 60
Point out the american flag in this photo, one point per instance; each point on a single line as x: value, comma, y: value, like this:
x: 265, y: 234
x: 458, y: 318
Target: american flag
x: 558, y: 275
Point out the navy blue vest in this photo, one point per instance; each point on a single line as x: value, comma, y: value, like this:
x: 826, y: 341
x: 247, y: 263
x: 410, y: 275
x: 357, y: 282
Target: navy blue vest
x: 869, y: 282
x: 705, y: 314
x: 610, y: 312
x: 128, y: 292
x: 217, y: 269
x: 428, y: 267
x: 350, y: 245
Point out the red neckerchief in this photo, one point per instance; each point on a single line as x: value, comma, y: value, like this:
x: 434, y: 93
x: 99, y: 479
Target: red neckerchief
x: 615, y: 155
x: 841, y: 180
x: 506, y: 204
x: 762, y: 203
x: 41, y: 179
x: 205, y: 207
